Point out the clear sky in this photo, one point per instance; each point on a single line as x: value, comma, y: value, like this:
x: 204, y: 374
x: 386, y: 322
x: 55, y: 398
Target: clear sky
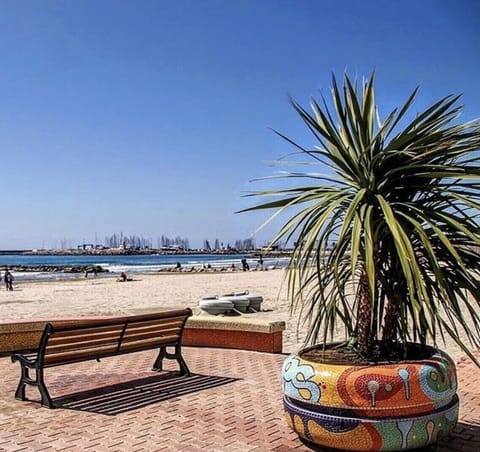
x: 151, y: 117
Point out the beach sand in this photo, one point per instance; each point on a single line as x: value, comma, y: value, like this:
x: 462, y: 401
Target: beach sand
x: 104, y: 295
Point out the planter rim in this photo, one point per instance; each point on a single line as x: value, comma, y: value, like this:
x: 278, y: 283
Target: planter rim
x: 429, y: 348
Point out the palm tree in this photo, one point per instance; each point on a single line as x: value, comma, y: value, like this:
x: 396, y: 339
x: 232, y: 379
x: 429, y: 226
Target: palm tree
x: 399, y: 199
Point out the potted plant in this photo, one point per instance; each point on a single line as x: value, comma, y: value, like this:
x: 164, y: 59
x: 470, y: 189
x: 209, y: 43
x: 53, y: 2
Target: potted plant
x: 387, y: 246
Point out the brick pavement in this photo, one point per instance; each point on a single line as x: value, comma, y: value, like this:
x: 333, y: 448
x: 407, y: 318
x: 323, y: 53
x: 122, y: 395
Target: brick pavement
x: 233, y: 403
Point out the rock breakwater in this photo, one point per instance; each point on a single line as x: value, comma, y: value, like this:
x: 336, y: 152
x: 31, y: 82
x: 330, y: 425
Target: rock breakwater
x: 56, y: 268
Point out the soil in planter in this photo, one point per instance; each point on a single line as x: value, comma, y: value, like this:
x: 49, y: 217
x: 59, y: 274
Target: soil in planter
x: 383, y: 353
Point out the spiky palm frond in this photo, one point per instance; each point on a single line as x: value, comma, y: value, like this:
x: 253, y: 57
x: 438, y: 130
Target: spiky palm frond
x: 400, y: 202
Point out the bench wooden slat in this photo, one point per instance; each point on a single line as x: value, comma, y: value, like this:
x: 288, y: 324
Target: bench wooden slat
x: 131, y: 337
x: 152, y: 329
x: 113, y: 335
x: 85, y: 344
x: 159, y: 324
x: 79, y: 355
x: 133, y: 329
x: 86, y: 331
x: 148, y: 343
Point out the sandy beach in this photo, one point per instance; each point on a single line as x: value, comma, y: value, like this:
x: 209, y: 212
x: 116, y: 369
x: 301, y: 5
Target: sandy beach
x: 150, y: 292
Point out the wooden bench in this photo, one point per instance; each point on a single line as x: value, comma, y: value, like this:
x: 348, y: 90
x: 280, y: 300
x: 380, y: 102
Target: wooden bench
x: 67, y: 343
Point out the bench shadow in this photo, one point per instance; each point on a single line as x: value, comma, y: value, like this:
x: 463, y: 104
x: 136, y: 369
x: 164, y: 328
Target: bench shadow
x: 465, y: 436
x: 462, y: 438
x: 132, y: 395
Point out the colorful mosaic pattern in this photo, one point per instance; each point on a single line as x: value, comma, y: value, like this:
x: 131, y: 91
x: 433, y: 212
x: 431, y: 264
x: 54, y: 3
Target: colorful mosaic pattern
x: 410, y: 388
x: 386, y: 434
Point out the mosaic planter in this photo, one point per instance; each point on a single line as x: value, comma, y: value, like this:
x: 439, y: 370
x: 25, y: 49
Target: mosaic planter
x: 383, y: 407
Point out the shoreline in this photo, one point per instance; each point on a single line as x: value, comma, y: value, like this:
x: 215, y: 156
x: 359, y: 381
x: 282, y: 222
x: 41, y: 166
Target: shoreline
x: 64, y: 266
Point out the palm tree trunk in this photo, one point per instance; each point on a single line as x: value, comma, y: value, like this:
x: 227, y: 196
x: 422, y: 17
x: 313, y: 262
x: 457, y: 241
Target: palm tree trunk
x: 364, y: 317
x: 392, y: 309
x: 390, y: 324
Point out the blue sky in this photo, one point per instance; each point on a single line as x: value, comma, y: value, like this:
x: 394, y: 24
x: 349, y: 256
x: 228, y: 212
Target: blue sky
x: 151, y: 117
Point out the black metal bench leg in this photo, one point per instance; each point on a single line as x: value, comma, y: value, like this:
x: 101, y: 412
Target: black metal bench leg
x: 184, y: 370
x: 39, y: 382
x: 46, y: 399
x: 158, y: 365
x: 20, y: 392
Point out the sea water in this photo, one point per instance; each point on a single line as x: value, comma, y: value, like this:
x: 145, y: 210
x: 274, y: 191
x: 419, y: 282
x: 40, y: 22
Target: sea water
x: 130, y: 263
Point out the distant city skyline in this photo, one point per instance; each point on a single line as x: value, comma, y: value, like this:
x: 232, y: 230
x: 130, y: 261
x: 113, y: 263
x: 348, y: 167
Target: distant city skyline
x: 152, y: 117
x: 120, y: 240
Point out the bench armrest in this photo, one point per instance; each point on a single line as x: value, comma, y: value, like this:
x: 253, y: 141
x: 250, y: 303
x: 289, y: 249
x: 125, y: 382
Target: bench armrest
x: 24, y: 360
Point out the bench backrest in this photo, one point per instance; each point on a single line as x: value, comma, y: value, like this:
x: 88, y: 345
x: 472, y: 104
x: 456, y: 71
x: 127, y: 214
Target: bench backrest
x: 91, y: 339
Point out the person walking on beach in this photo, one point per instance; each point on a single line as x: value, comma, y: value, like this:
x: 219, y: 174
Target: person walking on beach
x: 8, y: 279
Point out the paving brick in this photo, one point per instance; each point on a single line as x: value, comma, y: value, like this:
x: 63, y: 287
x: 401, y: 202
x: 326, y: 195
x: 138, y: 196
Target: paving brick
x: 233, y: 403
